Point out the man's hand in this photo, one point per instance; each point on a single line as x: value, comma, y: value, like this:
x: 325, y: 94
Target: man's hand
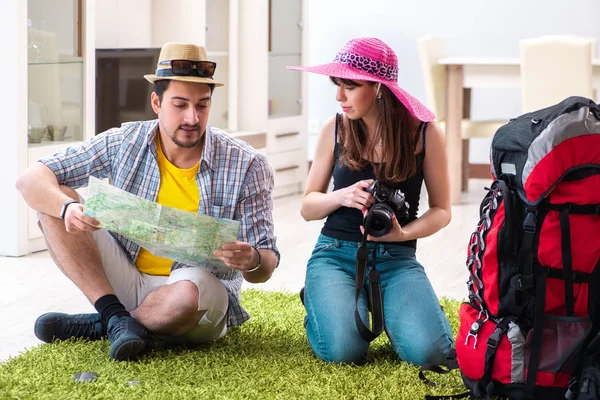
x: 77, y: 221
x: 238, y: 255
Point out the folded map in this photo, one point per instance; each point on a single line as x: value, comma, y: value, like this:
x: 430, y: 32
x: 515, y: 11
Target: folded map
x: 168, y: 232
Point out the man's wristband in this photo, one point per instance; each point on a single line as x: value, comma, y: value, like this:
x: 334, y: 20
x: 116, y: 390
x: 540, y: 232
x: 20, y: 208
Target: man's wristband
x: 63, y: 210
x: 259, y: 261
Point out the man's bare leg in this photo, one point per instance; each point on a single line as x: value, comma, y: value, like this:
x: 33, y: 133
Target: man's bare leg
x: 170, y: 309
x: 78, y: 257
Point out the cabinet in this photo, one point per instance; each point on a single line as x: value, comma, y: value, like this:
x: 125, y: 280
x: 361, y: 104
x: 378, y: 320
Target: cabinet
x: 220, y: 35
x: 123, y: 24
x: 50, y: 80
x: 252, y: 42
x: 287, y: 127
x: 189, y: 21
x: 271, y: 97
x: 51, y: 103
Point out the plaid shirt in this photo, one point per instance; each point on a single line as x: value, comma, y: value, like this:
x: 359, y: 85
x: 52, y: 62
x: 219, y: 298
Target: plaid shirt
x: 234, y: 180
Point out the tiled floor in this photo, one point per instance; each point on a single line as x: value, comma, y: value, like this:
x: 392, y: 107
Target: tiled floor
x: 32, y: 285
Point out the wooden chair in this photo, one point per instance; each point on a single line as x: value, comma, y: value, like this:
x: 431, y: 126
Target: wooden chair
x: 554, y: 68
x: 431, y: 49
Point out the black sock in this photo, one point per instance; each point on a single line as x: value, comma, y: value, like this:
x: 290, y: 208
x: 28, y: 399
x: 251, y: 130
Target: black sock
x: 109, y: 305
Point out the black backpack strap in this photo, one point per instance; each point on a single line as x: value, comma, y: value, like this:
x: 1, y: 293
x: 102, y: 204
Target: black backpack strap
x: 451, y: 363
x: 568, y: 275
x: 588, y: 363
x: 589, y: 386
x: 567, y: 260
x: 526, y: 253
x: 577, y: 208
x: 587, y: 371
x: 538, y: 330
x: 523, y: 281
x: 485, y: 386
x: 465, y: 395
x: 576, y: 276
x: 447, y: 366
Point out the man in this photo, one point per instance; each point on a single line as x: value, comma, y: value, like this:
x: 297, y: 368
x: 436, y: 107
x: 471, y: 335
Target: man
x: 177, y: 161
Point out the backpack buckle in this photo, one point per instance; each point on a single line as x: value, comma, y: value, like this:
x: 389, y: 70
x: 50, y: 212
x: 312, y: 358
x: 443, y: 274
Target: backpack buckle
x: 571, y: 389
x: 529, y: 223
x: 494, y: 338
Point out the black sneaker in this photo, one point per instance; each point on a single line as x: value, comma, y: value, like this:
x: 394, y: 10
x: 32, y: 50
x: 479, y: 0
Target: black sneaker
x: 61, y: 326
x: 128, y: 338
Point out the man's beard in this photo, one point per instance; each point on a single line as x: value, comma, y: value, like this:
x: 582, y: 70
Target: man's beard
x: 187, y: 145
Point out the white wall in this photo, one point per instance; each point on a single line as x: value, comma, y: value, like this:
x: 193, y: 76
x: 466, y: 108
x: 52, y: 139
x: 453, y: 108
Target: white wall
x: 475, y: 28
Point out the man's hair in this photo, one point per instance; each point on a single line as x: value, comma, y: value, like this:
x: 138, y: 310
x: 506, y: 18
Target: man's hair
x: 161, y: 86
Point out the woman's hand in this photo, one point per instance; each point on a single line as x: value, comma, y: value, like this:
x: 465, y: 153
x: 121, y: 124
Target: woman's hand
x: 356, y: 196
x: 396, y: 234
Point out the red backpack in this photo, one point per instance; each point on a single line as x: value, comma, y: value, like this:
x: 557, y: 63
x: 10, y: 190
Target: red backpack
x: 533, y: 260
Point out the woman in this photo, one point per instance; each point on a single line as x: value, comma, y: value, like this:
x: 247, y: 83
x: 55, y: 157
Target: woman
x: 384, y: 134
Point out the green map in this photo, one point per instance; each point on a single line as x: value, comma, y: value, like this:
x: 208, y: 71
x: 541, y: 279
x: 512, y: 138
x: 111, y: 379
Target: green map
x: 168, y: 232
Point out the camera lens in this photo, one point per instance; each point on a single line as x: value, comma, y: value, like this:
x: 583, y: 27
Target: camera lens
x: 378, y: 224
x: 378, y: 221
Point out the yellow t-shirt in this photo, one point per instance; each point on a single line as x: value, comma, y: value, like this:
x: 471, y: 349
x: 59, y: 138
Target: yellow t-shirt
x: 178, y: 189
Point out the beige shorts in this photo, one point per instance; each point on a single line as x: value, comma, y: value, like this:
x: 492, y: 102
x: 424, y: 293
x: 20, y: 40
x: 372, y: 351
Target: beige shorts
x: 132, y: 286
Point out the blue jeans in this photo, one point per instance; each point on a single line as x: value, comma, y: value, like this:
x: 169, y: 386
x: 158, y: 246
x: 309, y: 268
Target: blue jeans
x: 415, y: 323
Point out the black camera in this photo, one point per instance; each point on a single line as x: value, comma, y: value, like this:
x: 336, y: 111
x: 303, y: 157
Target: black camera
x: 388, y: 201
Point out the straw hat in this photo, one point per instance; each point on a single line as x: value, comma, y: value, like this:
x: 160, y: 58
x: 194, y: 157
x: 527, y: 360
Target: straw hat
x: 369, y: 59
x: 180, y: 51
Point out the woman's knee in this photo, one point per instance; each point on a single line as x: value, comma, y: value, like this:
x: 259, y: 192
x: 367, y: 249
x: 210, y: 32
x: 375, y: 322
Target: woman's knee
x: 338, y: 353
x: 427, y: 352
x: 331, y: 345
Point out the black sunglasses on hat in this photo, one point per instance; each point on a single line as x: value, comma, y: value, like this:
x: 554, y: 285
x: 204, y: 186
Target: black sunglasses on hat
x: 203, y: 69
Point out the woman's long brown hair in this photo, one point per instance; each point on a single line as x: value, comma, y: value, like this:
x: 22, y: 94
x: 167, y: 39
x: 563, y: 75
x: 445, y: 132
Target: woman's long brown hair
x: 395, y: 130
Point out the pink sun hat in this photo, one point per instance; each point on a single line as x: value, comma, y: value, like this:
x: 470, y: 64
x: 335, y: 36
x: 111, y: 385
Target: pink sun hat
x: 369, y: 59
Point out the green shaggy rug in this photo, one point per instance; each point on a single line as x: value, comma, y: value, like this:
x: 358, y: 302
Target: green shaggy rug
x: 266, y: 358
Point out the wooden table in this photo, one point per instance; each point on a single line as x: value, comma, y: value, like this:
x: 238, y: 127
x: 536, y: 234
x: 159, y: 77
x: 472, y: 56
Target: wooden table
x: 476, y: 72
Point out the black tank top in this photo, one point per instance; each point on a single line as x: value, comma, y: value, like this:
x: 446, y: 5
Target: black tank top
x: 344, y: 223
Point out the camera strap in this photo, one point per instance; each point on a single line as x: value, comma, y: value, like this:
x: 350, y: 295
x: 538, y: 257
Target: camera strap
x: 374, y: 293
